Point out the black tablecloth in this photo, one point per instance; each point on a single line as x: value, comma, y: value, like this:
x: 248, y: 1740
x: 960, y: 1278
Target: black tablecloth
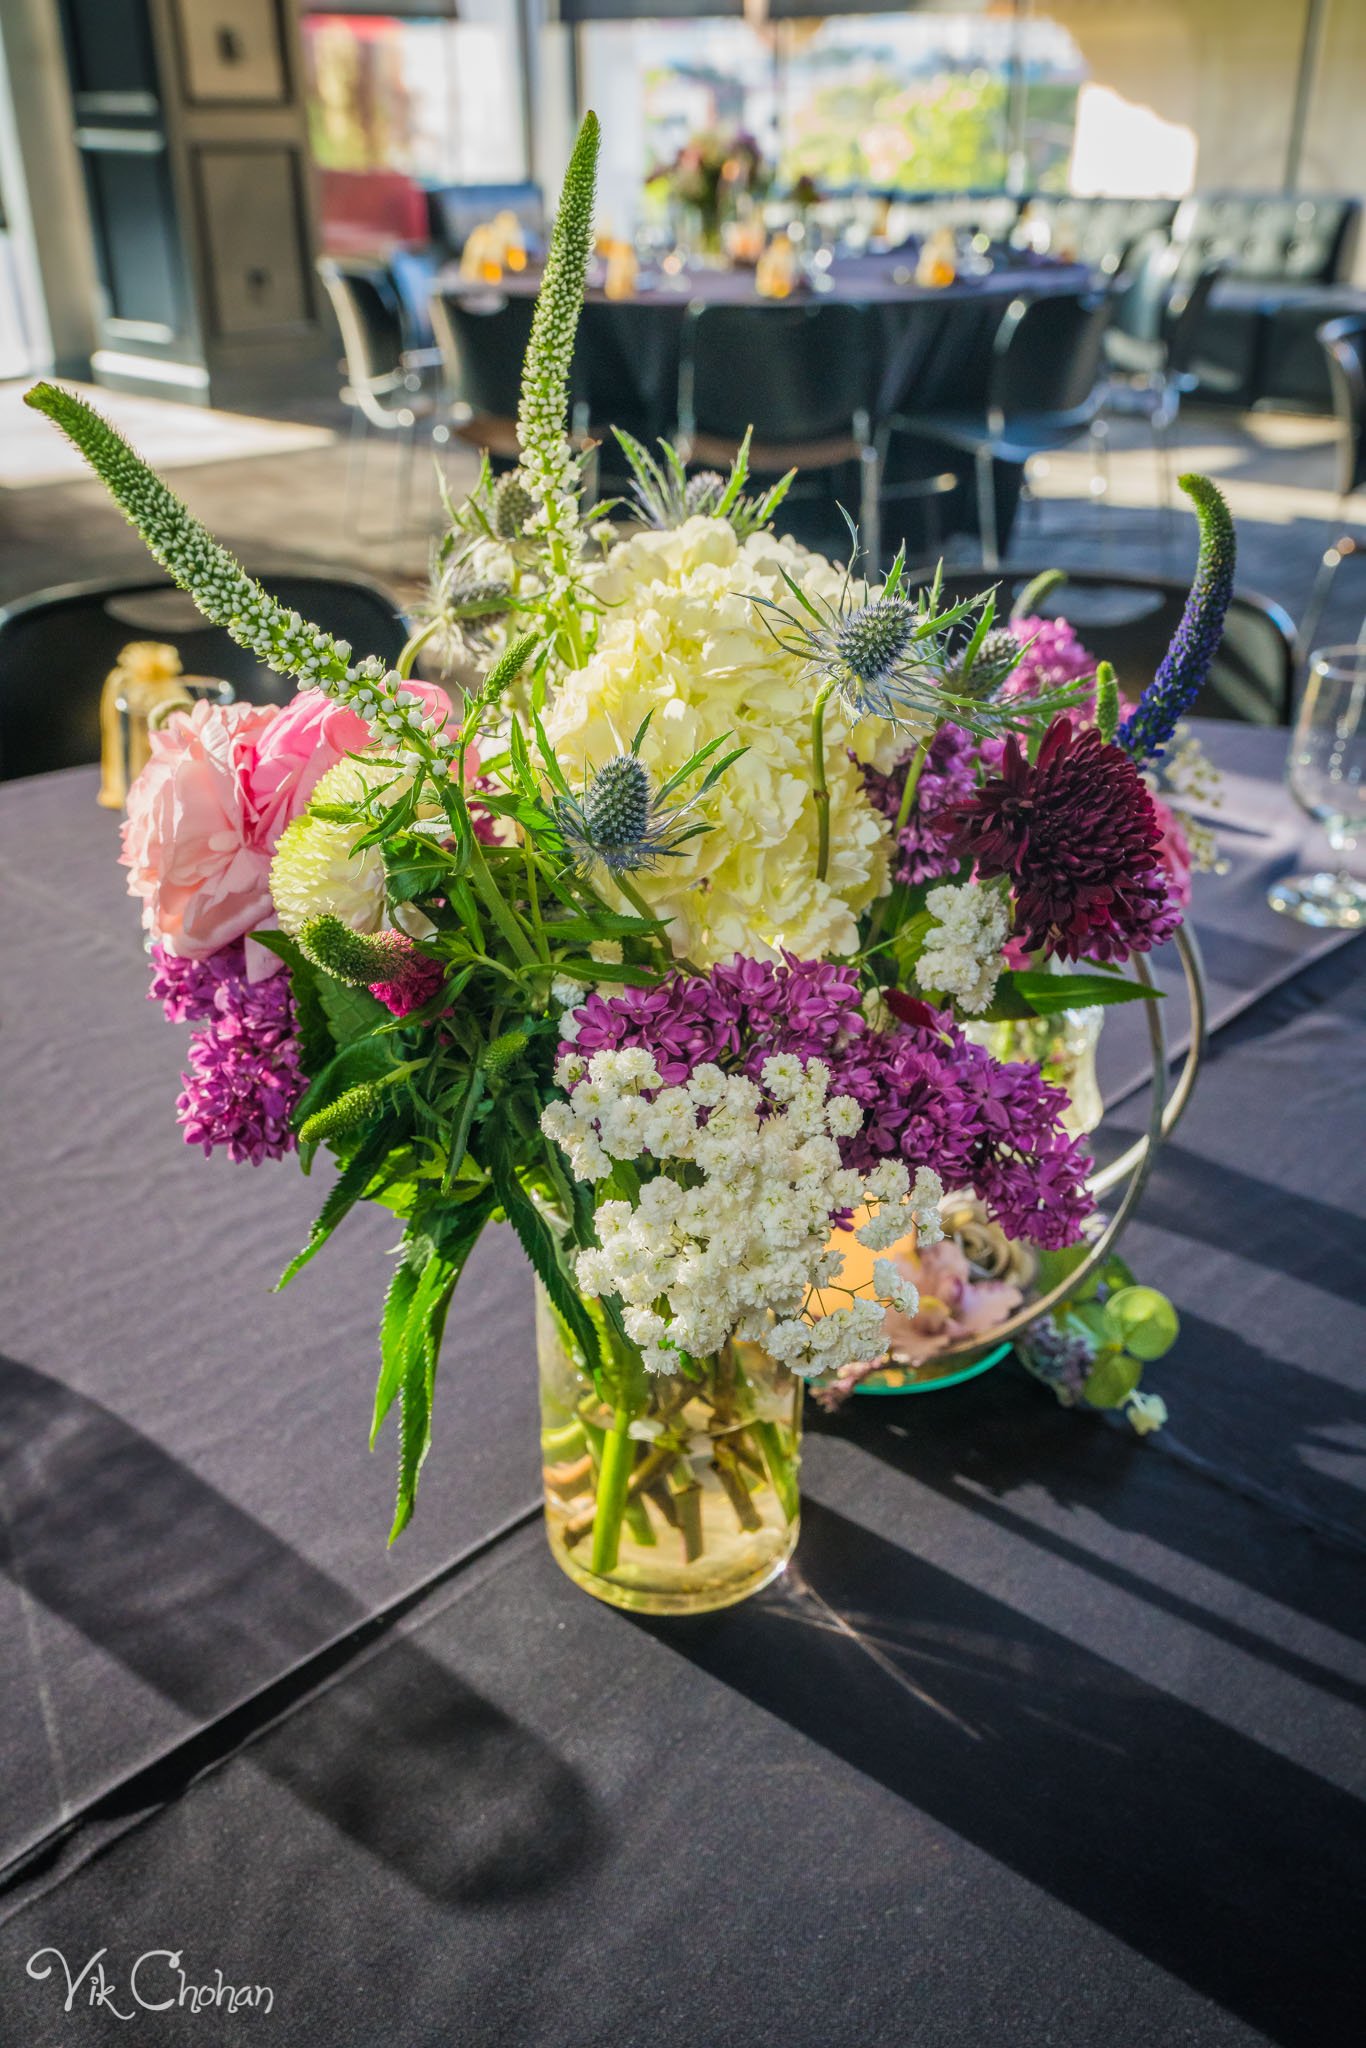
x: 934, y: 347
x: 1049, y: 1735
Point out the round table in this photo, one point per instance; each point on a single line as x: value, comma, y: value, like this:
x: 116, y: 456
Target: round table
x: 934, y: 347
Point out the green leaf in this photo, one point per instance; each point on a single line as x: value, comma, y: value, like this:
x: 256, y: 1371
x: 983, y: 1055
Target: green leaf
x: 543, y: 1248
x: 1112, y: 1379
x: 352, y: 1013
x: 1007, y: 1005
x: 398, y: 1299
x: 1093, y: 1318
x: 421, y: 1345
x: 1054, y: 1266
x: 1145, y: 1319
x: 346, y: 1191
x: 1047, y: 993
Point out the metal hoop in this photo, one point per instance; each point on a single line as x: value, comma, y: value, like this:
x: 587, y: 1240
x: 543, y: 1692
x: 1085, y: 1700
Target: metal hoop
x: 1165, y: 1112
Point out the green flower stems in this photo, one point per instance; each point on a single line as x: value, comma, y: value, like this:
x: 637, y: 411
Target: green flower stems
x: 897, y: 892
x: 614, y: 1475
x: 820, y: 788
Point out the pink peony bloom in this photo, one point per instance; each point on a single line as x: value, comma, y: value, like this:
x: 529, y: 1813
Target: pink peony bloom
x: 301, y: 743
x: 205, y: 813
x: 953, y: 1306
x: 190, y: 840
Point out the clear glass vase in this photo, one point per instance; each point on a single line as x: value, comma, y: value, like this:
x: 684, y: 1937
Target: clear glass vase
x: 684, y: 1501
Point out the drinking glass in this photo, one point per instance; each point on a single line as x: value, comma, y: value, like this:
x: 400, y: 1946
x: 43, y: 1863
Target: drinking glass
x: 1326, y: 770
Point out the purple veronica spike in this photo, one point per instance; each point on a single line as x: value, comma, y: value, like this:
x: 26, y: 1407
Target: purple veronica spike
x: 1186, y: 664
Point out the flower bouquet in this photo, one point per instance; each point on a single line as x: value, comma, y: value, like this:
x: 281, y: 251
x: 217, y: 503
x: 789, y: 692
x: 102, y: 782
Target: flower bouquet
x: 657, y: 947
x: 711, y: 174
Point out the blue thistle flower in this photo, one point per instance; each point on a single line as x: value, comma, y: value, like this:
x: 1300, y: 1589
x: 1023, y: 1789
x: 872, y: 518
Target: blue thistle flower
x: 899, y: 658
x: 621, y: 821
x: 1186, y: 664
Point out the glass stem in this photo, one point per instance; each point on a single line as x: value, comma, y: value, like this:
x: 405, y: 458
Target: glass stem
x: 613, y: 1478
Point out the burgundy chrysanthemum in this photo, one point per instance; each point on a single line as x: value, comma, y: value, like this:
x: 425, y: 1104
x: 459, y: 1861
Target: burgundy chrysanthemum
x: 1077, y: 833
x: 413, y: 979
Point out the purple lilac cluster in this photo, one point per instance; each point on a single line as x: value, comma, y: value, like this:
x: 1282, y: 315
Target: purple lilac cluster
x: 947, y: 780
x: 244, y: 1077
x: 735, y: 1015
x: 1054, y: 659
x: 929, y: 1096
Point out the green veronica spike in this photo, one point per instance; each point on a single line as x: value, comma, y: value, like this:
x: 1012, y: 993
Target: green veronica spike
x: 221, y: 588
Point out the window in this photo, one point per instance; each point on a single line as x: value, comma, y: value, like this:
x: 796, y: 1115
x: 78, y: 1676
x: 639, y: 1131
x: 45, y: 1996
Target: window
x: 931, y: 101
x: 438, y: 101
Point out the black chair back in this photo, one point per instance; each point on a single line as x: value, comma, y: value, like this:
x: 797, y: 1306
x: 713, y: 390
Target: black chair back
x: 370, y: 316
x: 57, y: 647
x: 482, y: 337
x: 1189, y: 316
x: 1130, y: 620
x: 1047, y: 356
x: 411, y: 272
x: 1344, y: 344
x: 794, y: 373
x: 1140, y: 306
x: 626, y: 370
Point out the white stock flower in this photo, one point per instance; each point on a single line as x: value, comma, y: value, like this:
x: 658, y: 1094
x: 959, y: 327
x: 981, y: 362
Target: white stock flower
x: 963, y: 955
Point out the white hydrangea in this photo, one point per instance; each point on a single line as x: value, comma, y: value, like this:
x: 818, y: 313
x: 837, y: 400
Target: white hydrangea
x: 963, y: 955
x: 746, y: 1251
x: 680, y: 632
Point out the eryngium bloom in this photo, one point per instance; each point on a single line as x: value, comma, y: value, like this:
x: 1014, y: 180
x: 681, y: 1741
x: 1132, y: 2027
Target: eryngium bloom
x: 620, y: 821
x: 1077, y: 833
x: 894, y: 658
x: 1195, y: 643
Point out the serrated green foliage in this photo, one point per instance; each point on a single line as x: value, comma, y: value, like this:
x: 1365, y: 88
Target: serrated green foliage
x: 415, y: 1311
x: 352, y: 1013
x: 348, y: 1189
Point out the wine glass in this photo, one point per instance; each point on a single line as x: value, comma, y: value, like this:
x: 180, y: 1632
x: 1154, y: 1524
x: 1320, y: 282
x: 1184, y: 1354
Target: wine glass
x: 1326, y: 770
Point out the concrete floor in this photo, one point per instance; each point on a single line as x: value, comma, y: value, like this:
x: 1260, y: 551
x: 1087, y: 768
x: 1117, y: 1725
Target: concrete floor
x: 291, y: 510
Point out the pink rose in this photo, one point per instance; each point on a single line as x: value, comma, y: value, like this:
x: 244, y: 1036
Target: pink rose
x: 953, y: 1306
x: 206, y: 812
x: 301, y: 743
x: 190, y: 842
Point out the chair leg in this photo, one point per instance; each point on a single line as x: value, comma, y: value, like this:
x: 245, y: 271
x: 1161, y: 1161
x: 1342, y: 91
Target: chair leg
x: 870, y: 511
x: 986, y: 509
x: 1100, y: 457
x: 407, y: 457
x: 355, y: 472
